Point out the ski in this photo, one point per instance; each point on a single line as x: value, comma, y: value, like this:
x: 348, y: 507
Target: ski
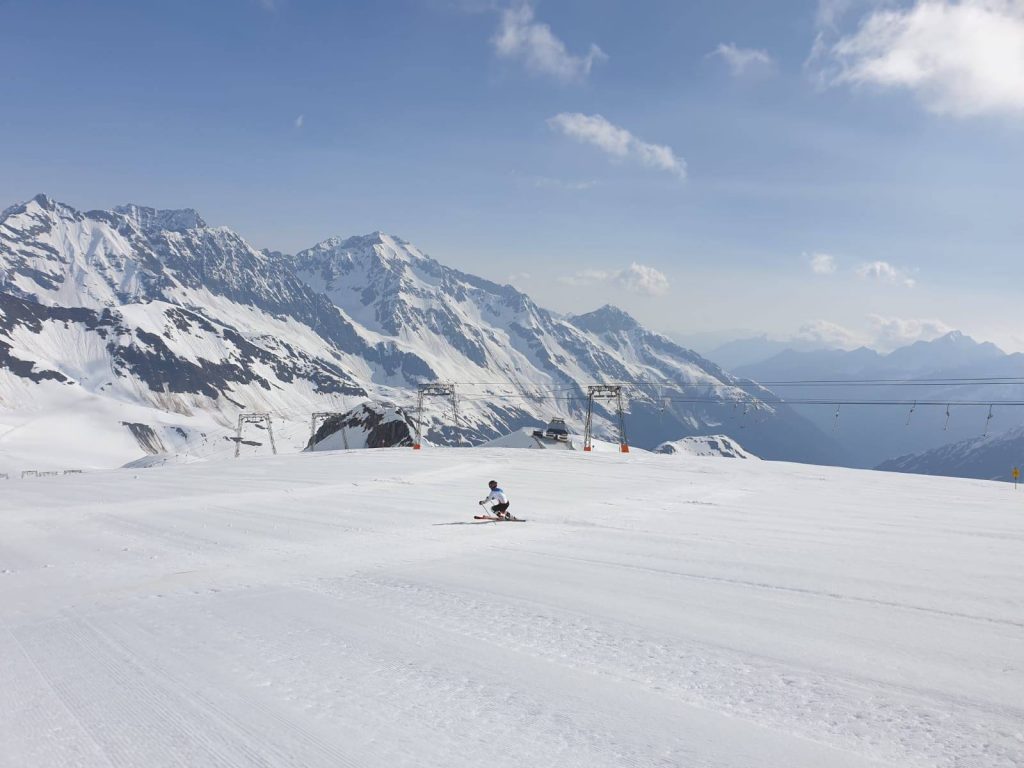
x: 499, y: 519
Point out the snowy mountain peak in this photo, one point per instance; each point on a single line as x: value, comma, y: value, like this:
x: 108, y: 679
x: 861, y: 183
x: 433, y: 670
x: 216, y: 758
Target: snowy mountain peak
x: 40, y: 208
x: 948, y: 352
x: 962, y: 340
x: 151, y: 220
x: 377, y: 249
x: 607, y: 319
x: 44, y: 201
x: 387, y: 247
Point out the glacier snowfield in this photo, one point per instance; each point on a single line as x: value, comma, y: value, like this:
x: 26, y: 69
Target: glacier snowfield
x: 342, y: 609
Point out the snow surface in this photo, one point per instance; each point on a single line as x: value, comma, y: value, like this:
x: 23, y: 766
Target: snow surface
x: 343, y: 609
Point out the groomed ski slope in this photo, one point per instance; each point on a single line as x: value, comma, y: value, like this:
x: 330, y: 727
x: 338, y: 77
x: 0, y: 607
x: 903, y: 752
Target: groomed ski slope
x: 341, y: 609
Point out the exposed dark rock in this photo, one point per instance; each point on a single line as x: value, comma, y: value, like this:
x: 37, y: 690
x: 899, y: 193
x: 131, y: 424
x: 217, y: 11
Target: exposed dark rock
x: 146, y: 437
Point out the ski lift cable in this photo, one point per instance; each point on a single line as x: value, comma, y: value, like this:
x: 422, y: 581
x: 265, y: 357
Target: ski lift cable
x: 770, y: 401
x: 742, y: 383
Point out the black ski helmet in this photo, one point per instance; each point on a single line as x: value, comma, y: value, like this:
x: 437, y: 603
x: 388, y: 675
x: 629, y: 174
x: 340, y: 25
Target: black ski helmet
x: 492, y: 484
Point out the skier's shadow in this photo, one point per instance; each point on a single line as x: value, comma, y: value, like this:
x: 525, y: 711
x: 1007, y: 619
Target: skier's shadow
x: 469, y: 522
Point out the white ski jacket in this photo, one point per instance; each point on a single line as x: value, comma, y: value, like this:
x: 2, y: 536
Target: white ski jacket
x: 497, y: 496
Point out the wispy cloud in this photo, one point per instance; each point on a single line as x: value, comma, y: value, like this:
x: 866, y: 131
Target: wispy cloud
x: 823, y: 264
x: 831, y: 12
x: 300, y: 121
x: 883, y: 271
x: 884, y: 333
x: 617, y: 142
x: 829, y: 334
x: 517, y: 278
x: 636, y: 278
x: 959, y: 57
x: 587, y: 277
x: 893, y: 332
x: 744, y: 61
x: 533, y: 43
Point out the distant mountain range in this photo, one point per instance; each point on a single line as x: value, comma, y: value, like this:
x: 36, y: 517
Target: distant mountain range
x: 137, y: 330
x: 872, y: 434
x: 992, y: 457
x: 750, y: 350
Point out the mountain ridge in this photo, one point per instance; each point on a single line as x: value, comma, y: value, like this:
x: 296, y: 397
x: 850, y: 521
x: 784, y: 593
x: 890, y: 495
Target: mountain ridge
x: 947, y: 369
x: 195, y: 321
x: 986, y: 457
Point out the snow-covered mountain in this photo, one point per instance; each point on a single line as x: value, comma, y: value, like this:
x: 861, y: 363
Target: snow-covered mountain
x: 154, y: 318
x: 991, y: 457
x: 720, y: 446
x: 368, y: 425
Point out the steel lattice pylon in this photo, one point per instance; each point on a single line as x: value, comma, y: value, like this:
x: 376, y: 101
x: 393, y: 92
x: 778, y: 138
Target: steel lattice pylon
x: 254, y: 418
x: 605, y: 392
x: 322, y: 416
x: 437, y: 389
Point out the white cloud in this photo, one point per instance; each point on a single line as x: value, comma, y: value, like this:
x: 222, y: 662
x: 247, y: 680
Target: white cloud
x: 743, y: 61
x: 521, y: 37
x: 636, y: 278
x: 587, y: 277
x: 517, y: 278
x: 594, y: 129
x: 882, y: 333
x: 617, y: 142
x: 892, y: 332
x: 300, y: 121
x: 823, y: 264
x: 885, y: 272
x: 829, y: 334
x: 831, y: 12
x: 960, y: 57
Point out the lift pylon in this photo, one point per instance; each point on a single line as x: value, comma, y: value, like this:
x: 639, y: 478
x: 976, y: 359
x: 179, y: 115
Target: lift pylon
x: 605, y: 392
x: 436, y: 389
x: 317, y: 420
x: 254, y: 418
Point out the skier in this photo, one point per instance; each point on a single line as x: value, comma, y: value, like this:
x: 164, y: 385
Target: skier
x: 501, y: 502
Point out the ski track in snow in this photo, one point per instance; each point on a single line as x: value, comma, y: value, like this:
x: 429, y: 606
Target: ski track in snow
x: 324, y: 610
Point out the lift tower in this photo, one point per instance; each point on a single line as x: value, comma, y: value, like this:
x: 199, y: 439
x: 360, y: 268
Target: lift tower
x: 437, y: 389
x: 605, y: 392
x: 317, y: 420
x: 254, y: 418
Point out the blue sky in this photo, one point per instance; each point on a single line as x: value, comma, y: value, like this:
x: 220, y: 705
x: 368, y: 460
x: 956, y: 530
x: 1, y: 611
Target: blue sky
x: 850, y: 169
